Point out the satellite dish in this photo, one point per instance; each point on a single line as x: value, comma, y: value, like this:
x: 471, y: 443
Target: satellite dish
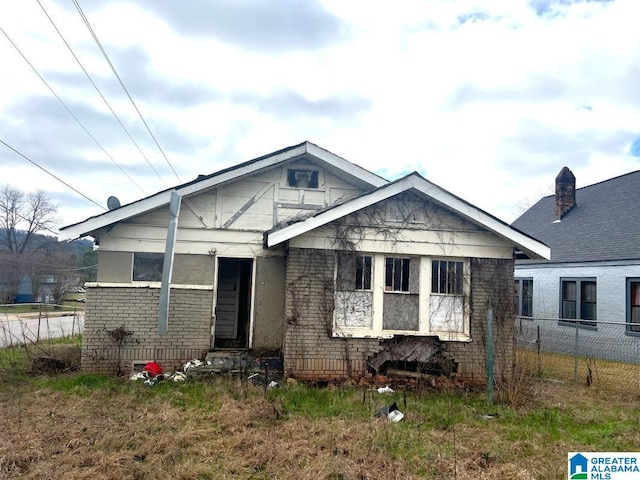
x: 113, y: 203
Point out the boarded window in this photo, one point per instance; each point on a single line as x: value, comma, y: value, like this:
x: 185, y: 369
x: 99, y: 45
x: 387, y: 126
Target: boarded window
x: 147, y: 267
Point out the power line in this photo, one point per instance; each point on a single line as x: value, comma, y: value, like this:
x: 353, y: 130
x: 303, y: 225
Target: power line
x: 113, y: 69
x: 67, y: 108
x: 51, y: 174
x: 14, y: 263
x: 91, y: 80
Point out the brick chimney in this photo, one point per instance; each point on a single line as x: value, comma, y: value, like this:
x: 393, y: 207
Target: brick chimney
x: 565, y: 192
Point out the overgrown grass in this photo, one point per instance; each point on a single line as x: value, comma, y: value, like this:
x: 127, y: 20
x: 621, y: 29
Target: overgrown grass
x: 225, y: 427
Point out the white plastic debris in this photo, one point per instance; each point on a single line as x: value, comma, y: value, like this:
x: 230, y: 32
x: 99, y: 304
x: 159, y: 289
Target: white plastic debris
x: 179, y: 377
x: 386, y: 389
x: 395, y: 416
x: 192, y: 364
x: 274, y: 384
x: 139, y: 376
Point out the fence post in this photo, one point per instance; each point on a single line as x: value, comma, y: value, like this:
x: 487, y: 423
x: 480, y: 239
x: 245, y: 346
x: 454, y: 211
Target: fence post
x: 575, y: 357
x: 539, y: 347
x: 490, y: 355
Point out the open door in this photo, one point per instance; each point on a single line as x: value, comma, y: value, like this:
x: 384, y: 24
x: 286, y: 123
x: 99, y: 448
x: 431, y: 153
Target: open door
x: 233, y: 303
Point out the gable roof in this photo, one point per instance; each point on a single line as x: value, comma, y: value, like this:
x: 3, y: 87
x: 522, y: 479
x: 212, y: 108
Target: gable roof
x: 413, y: 182
x: 336, y: 165
x: 604, y: 224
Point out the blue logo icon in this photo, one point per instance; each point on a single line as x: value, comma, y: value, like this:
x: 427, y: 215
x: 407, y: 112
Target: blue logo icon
x: 578, y: 465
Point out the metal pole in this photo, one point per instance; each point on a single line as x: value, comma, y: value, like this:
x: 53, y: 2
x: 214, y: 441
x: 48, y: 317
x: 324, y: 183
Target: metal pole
x: 167, y: 268
x: 575, y: 357
x: 538, y: 346
x: 490, y: 355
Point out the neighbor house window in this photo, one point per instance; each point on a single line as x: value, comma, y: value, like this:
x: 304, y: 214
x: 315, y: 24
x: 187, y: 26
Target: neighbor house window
x: 147, y: 267
x: 302, y: 178
x: 523, y: 297
x: 446, y: 277
x: 578, y: 301
x: 396, y: 275
x: 633, y: 305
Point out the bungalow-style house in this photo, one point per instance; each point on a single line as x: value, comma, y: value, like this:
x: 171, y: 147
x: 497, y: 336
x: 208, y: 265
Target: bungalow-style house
x: 303, y: 254
x: 592, y: 280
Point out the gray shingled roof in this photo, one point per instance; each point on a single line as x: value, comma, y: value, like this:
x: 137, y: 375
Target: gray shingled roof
x: 604, y: 224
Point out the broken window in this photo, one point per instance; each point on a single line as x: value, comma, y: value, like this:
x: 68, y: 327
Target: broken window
x: 354, y: 272
x: 147, y: 267
x: 363, y: 272
x: 446, y: 277
x: 299, y: 178
x: 396, y: 275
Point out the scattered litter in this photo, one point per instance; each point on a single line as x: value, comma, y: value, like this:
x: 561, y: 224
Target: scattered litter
x: 274, y: 384
x: 386, y: 389
x: 192, y: 364
x: 391, y: 412
x: 179, y: 377
x: 139, y: 376
x: 488, y: 417
x: 153, y: 368
x: 395, y: 416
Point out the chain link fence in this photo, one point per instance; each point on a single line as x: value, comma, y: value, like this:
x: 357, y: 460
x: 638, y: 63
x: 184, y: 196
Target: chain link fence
x: 604, y: 355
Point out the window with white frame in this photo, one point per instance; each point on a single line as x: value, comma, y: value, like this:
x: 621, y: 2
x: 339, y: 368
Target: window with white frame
x: 447, y: 277
x: 578, y: 301
x: 633, y: 305
x: 523, y: 297
x: 396, y: 274
x: 353, y: 297
x: 363, y: 272
x: 446, y: 302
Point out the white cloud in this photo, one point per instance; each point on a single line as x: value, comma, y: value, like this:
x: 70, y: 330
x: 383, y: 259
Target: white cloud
x: 487, y: 99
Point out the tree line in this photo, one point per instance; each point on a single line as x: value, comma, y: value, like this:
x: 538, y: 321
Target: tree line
x: 31, y: 258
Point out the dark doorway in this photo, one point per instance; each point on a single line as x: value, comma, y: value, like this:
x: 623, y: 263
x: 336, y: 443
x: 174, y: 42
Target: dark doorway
x: 233, y: 303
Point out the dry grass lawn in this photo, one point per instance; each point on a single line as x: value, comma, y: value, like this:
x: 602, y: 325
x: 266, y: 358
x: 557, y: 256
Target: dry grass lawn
x: 89, y: 427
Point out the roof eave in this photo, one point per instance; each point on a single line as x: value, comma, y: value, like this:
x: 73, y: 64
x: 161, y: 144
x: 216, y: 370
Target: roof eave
x: 531, y: 247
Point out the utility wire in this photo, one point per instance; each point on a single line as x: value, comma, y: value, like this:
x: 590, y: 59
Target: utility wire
x: 67, y: 108
x: 90, y: 79
x: 113, y: 69
x: 14, y: 263
x: 49, y: 173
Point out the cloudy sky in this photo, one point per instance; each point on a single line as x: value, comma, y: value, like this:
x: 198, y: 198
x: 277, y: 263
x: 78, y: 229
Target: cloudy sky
x: 488, y: 99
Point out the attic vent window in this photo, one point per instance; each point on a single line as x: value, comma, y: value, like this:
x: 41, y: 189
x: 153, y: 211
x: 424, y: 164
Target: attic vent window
x: 302, y: 178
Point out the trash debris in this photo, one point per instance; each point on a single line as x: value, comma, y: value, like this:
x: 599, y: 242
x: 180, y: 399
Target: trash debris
x: 179, y: 377
x: 139, y: 376
x: 153, y: 368
x: 386, y: 389
x: 273, y: 384
x: 192, y: 364
x: 391, y: 412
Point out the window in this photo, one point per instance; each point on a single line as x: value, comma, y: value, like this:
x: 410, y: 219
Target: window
x: 523, y: 297
x: 147, y: 267
x: 578, y: 301
x: 363, y: 273
x: 446, y: 277
x: 396, y: 275
x: 300, y: 178
x: 633, y: 305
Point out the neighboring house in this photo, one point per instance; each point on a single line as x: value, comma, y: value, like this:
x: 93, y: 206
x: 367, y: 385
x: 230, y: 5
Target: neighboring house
x: 302, y: 254
x: 593, y: 276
